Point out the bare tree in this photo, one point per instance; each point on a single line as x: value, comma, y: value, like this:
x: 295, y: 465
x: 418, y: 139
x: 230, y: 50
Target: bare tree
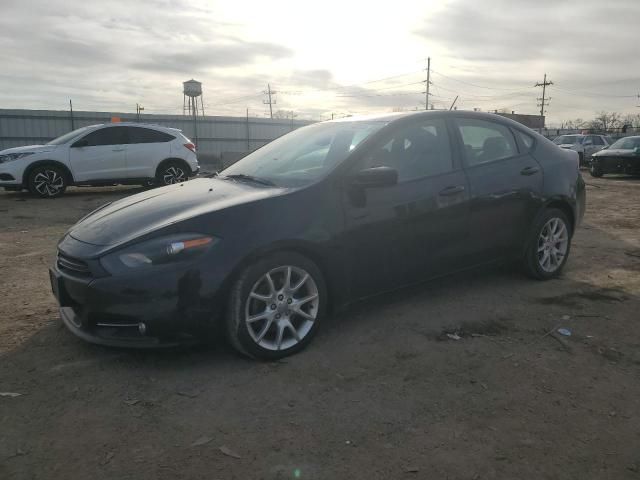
x: 606, y: 121
x: 575, y: 124
x: 632, y: 120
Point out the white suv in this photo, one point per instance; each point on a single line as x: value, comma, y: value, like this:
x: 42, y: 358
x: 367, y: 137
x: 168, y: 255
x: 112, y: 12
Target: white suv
x: 109, y: 154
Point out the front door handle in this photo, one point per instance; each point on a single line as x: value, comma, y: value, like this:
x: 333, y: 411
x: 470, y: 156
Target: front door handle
x: 118, y: 150
x: 453, y: 190
x: 529, y: 171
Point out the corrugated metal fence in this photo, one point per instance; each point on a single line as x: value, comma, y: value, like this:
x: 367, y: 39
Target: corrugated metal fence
x: 216, y: 135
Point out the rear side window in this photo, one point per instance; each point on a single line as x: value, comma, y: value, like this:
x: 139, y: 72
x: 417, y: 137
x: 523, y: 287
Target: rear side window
x: 485, y: 141
x: 526, y: 139
x: 146, y: 135
x: 107, y: 136
x: 597, y: 140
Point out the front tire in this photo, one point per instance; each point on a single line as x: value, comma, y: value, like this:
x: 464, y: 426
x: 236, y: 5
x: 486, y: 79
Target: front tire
x: 47, y: 181
x: 548, y: 247
x: 171, y: 173
x: 595, y: 170
x: 276, y: 306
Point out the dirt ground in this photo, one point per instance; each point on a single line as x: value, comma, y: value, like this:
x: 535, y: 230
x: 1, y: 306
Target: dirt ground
x: 381, y: 393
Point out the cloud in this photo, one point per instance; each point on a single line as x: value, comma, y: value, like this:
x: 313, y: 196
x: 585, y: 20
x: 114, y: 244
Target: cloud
x: 208, y: 56
x: 112, y: 55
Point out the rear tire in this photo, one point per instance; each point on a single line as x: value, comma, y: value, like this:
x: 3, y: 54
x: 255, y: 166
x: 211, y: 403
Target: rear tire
x: 47, y: 181
x: 548, y: 246
x: 172, y: 172
x: 271, y: 319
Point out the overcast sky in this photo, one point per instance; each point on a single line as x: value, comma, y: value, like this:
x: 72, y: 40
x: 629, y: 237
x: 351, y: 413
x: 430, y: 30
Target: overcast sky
x: 345, y: 57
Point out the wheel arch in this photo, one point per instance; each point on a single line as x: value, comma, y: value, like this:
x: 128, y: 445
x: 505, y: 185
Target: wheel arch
x: 306, y: 249
x: 43, y: 163
x: 181, y: 161
x: 565, y: 206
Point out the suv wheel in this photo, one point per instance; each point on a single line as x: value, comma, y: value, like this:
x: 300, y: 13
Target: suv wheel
x: 548, y: 246
x: 171, y: 173
x: 276, y: 306
x: 48, y: 181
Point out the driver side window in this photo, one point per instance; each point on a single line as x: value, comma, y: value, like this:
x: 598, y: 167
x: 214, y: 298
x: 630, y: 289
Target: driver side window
x: 419, y: 150
x: 107, y: 136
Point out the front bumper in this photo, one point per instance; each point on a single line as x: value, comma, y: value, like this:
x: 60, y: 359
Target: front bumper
x: 617, y: 164
x: 122, y: 336
x: 11, y: 174
x: 158, y: 309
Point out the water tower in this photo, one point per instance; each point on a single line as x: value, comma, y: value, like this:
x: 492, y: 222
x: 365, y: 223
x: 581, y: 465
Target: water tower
x: 192, y: 103
x: 192, y: 98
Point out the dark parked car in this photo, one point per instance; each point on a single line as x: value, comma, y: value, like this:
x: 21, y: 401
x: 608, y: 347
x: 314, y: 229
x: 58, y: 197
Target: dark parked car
x: 621, y: 157
x: 328, y: 214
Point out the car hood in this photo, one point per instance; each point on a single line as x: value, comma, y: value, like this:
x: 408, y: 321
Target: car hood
x: 618, y: 152
x: 569, y: 145
x: 29, y: 148
x: 137, y: 215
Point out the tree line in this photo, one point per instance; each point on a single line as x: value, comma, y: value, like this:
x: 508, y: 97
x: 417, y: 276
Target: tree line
x: 605, y: 121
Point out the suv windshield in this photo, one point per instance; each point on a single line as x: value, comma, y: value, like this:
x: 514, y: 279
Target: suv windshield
x: 304, y: 155
x: 568, y: 140
x: 627, y: 143
x: 68, y: 136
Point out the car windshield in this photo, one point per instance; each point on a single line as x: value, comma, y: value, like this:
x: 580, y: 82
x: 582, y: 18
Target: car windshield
x: 68, y: 136
x: 627, y: 143
x: 304, y: 155
x: 568, y: 140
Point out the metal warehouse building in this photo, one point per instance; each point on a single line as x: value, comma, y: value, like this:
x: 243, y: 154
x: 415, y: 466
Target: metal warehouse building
x: 217, y: 136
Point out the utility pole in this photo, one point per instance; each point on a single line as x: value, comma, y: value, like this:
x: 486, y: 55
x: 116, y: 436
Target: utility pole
x: 427, y: 82
x: 269, y: 102
x: 71, y: 114
x: 292, y: 117
x: 248, y: 137
x: 139, y: 108
x: 544, y: 101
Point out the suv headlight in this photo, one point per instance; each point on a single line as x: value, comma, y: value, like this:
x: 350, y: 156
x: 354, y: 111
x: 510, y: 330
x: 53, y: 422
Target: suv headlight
x: 157, y: 251
x: 10, y: 157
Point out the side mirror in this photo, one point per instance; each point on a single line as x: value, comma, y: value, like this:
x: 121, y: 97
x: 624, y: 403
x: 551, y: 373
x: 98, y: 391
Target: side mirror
x: 375, y: 177
x: 80, y: 143
x: 636, y: 150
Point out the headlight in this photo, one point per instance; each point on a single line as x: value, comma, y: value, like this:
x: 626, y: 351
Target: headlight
x: 10, y: 157
x: 158, y: 251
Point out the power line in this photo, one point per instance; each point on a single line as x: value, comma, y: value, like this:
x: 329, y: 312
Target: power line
x: 473, y: 84
x: 594, y: 94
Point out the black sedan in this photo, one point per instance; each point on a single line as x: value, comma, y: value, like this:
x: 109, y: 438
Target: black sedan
x: 328, y: 214
x: 621, y: 157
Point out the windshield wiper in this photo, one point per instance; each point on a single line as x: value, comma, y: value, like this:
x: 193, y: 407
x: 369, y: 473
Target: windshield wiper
x: 250, y: 178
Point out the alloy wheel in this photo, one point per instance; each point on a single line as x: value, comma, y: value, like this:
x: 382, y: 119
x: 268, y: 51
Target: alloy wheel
x: 282, y: 307
x: 553, y: 243
x: 173, y: 175
x: 48, y: 183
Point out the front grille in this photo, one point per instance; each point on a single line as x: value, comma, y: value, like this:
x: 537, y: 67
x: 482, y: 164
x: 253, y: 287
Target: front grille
x: 73, y: 265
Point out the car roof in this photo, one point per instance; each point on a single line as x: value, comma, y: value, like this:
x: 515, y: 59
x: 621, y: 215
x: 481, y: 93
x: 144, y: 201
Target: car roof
x: 395, y: 116
x: 134, y: 124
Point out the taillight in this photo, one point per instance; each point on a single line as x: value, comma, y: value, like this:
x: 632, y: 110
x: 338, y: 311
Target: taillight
x: 191, y: 146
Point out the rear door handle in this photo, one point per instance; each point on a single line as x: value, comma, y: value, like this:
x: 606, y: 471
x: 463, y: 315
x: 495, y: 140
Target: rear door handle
x: 529, y: 171
x: 118, y: 149
x: 453, y: 190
